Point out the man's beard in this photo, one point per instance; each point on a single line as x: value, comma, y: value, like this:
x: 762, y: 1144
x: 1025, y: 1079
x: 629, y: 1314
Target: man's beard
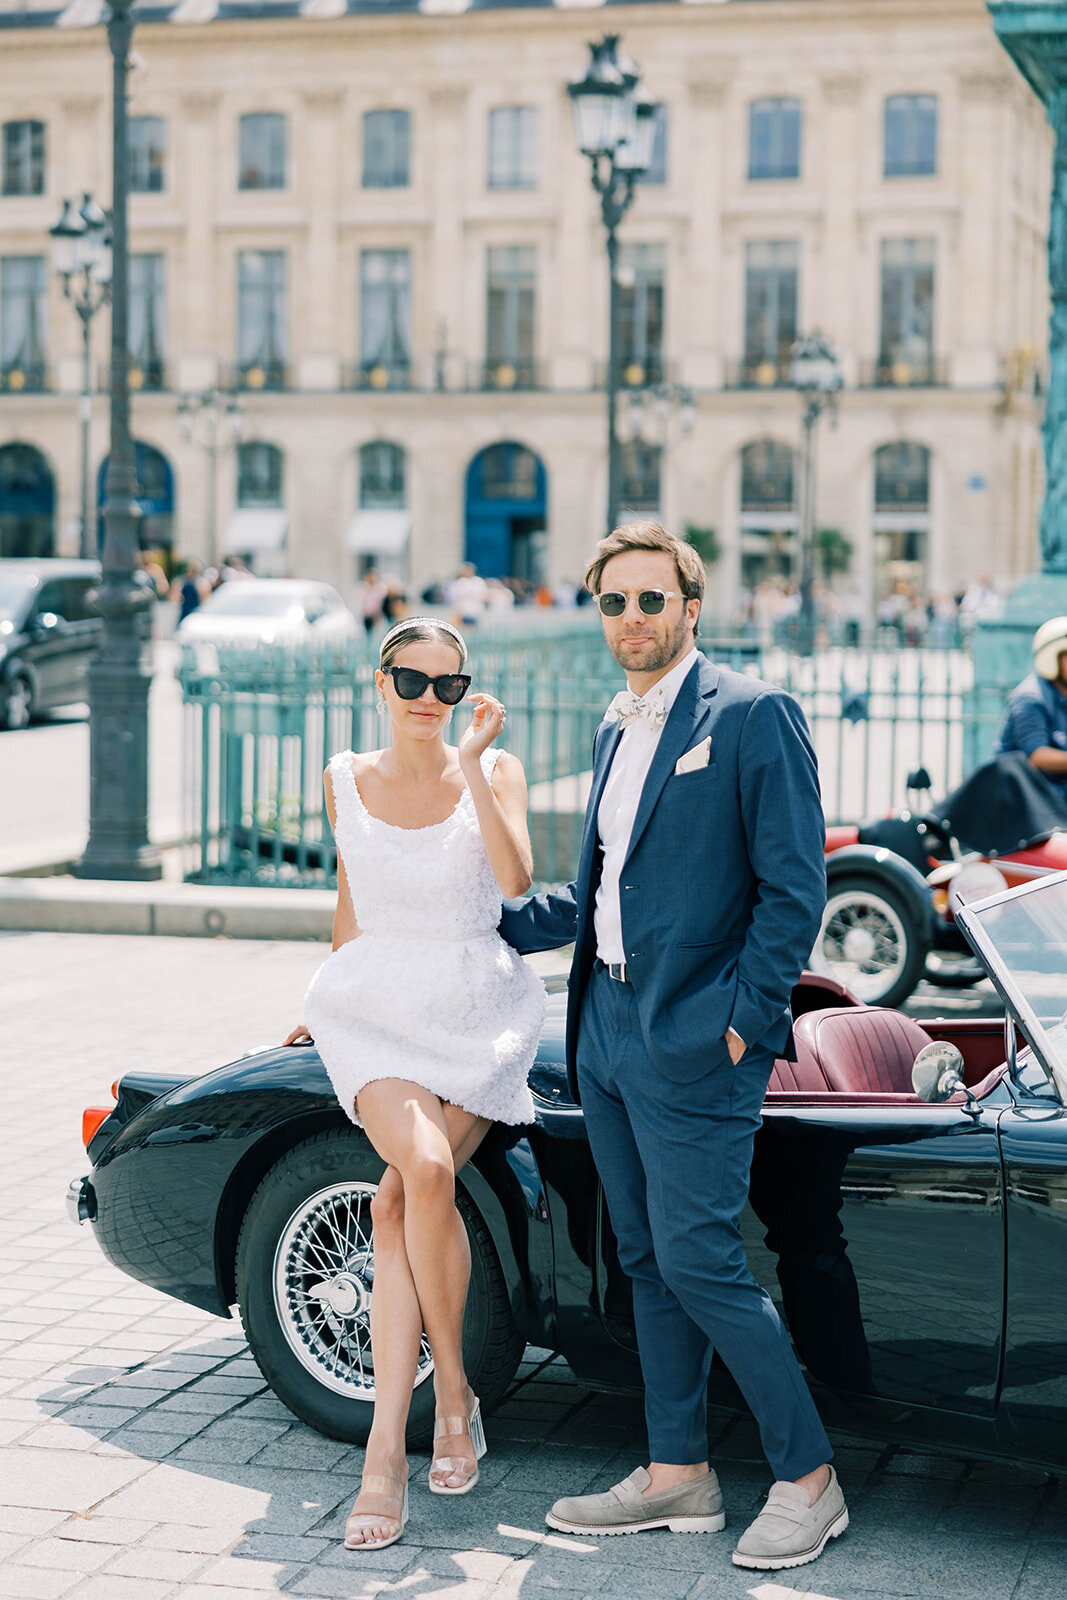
x: 657, y: 659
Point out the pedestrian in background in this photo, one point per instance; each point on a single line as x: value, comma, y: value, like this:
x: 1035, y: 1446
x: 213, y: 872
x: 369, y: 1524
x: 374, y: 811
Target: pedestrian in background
x: 372, y: 596
x: 190, y: 589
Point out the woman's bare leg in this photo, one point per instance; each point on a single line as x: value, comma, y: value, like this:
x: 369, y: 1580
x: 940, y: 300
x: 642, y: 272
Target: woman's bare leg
x: 396, y: 1314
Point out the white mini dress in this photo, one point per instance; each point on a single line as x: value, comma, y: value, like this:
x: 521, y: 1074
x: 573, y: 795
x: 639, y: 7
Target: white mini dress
x: 429, y: 992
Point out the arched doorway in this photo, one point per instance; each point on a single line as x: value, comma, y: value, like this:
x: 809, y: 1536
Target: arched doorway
x: 901, y: 520
x: 155, y: 496
x: 27, y: 502
x: 506, y: 503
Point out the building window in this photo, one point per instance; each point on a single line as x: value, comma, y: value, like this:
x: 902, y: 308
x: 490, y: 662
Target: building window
x: 639, y: 465
x: 640, y: 284
x: 148, y: 320
x: 385, y: 317
x: 768, y: 512
x: 513, y: 147
x: 262, y: 151
x: 23, y: 158
x: 262, y: 322
x: 511, y: 296
x: 382, y: 476
x: 259, y: 477
x: 23, y: 289
x: 386, y: 149
x: 774, y: 139
x: 770, y: 311
x: 147, y: 151
x: 901, y: 527
x: 656, y: 172
x: 906, y: 348
x: 910, y: 136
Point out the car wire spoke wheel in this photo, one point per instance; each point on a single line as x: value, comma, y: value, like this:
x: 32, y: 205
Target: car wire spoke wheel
x: 868, y: 942
x: 323, y: 1276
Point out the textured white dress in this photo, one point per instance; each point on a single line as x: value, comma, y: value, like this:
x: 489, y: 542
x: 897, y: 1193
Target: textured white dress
x: 429, y: 991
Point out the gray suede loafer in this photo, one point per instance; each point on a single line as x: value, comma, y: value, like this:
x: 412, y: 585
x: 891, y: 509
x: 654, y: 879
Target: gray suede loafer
x: 694, y: 1507
x: 790, y: 1530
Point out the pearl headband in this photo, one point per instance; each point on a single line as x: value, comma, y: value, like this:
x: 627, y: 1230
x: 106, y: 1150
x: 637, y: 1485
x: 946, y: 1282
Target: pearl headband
x: 413, y: 623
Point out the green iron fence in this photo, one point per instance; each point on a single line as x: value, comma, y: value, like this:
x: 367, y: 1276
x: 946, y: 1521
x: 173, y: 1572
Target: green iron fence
x: 261, y: 723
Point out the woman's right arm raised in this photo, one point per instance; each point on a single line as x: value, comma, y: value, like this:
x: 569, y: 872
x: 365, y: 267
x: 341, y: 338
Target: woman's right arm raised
x: 345, y: 926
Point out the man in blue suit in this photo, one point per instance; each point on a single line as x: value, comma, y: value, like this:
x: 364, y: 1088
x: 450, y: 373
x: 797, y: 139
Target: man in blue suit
x: 699, y: 893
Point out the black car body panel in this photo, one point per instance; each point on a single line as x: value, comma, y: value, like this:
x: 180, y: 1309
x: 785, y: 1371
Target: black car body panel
x: 54, y: 632
x: 918, y: 1252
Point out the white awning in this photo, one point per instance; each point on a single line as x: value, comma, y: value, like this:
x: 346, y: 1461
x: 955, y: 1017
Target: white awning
x: 255, y: 530
x: 378, y: 533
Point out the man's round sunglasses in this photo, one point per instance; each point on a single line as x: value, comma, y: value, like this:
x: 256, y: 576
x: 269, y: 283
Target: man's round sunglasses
x: 449, y: 687
x: 651, y: 601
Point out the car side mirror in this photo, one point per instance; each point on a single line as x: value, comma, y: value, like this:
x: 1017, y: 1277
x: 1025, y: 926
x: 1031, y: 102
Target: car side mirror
x: 937, y: 1074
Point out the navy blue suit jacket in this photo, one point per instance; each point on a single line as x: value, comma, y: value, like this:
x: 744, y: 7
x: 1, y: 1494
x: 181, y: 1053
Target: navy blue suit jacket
x: 723, y: 887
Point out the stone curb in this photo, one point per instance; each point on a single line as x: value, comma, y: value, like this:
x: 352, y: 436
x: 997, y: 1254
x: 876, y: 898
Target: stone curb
x: 74, y: 905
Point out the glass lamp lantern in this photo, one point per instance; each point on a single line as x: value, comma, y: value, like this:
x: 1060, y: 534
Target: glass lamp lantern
x: 91, y: 242
x: 634, y: 155
x: 602, y: 101
x: 814, y: 367
x: 66, y: 236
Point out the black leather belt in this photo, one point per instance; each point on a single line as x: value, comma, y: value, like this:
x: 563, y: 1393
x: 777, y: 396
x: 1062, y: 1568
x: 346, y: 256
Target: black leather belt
x: 615, y: 969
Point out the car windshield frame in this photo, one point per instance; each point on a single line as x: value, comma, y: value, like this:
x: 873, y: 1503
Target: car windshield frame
x: 1051, y: 1054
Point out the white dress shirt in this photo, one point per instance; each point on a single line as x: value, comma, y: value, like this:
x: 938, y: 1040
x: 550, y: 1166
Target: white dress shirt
x: 618, y: 808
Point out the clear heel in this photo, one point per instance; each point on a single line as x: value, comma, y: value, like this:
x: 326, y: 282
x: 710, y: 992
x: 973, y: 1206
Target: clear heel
x: 458, y: 1466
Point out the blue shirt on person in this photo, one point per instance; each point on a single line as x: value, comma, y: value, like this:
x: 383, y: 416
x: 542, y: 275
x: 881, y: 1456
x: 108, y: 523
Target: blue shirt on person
x: 1036, y: 717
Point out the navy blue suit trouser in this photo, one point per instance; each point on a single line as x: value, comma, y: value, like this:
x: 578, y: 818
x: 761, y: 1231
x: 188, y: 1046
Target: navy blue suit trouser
x: 674, y: 1160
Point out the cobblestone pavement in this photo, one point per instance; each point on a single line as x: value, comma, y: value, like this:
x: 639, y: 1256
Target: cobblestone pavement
x: 142, y: 1457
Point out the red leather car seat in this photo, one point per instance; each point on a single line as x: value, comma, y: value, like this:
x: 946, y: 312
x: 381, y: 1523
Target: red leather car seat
x: 856, y: 1050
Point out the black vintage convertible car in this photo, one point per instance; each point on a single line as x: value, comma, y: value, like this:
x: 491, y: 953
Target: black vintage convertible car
x: 913, y: 1231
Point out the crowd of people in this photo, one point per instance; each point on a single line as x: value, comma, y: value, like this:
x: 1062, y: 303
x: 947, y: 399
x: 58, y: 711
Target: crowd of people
x: 770, y: 611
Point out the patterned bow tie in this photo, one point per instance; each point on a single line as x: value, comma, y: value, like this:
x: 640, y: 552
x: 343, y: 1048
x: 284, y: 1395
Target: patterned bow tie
x: 628, y: 707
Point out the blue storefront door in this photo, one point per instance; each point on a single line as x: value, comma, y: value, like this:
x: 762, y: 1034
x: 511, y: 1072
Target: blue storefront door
x: 506, y: 508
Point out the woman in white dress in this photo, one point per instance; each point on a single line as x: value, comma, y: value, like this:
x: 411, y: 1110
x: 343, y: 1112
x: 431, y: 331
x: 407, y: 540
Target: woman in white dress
x: 427, y: 1023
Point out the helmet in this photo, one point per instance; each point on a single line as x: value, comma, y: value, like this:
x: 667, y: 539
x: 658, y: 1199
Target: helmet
x: 1050, y: 641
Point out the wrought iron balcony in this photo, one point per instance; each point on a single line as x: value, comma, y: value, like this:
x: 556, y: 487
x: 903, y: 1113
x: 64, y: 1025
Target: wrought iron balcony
x: 894, y: 372
x: 256, y: 375
x: 518, y: 374
x: 18, y: 377
x: 380, y: 375
x: 759, y: 372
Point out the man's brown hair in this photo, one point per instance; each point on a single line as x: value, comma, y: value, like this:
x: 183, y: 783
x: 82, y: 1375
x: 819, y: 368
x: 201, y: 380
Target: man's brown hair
x: 649, y: 536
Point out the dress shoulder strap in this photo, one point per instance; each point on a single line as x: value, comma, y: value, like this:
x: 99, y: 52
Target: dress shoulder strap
x: 343, y: 781
x: 490, y: 758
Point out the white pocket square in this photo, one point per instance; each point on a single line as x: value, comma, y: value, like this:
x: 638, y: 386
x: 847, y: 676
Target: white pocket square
x: 694, y: 759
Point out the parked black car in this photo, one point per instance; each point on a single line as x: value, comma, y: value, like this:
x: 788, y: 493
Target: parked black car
x: 48, y: 635
x: 915, y: 1237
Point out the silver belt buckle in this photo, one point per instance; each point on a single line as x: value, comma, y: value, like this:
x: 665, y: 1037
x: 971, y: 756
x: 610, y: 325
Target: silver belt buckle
x: 617, y: 970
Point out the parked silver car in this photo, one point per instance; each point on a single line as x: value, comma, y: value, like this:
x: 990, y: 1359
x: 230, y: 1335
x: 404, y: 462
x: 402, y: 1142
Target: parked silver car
x: 269, y: 611
x: 48, y: 635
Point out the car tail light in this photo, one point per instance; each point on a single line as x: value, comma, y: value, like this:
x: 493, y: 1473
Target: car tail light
x: 94, y: 1116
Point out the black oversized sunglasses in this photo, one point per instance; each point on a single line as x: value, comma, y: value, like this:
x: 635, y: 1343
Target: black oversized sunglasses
x: 651, y: 601
x: 449, y: 687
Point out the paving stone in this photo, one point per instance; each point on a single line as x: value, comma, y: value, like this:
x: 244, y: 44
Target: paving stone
x: 106, y: 1586
x: 127, y: 1396
x: 159, y: 1564
x: 318, y: 1453
x: 52, y: 1479
x: 70, y: 1555
x: 34, y: 1583
x: 237, y: 1572
x: 199, y: 1541
x: 21, y: 1519
x: 280, y: 1502
x: 102, y: 1530
x: 195, y: 1400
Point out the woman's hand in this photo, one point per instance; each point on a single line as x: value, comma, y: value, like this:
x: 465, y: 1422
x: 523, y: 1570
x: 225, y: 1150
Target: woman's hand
x: 489, y: 718
x: 299, y: 1035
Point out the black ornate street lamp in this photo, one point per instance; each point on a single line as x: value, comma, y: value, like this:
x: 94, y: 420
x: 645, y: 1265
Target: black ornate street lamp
x: 816, y: 374
x: 615, y: 126
x: 81, y: 257
x: 121, y: 672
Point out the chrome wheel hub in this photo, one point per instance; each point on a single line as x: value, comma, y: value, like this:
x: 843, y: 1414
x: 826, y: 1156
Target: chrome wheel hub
x: 322, y: 1280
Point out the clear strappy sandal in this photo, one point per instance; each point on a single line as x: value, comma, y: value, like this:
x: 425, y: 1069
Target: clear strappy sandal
x: 389, y: 1489
x: 452, y: 1466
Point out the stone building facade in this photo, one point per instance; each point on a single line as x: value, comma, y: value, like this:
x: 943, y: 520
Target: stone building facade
x: 368, y: 226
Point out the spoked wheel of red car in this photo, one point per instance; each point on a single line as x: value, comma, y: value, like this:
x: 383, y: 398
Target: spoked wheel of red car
x: 870, y: 942
x: 305, y: 1269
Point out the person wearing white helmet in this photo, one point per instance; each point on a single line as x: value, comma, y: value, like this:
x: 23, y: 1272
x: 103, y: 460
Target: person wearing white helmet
x: 1035, y: 722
